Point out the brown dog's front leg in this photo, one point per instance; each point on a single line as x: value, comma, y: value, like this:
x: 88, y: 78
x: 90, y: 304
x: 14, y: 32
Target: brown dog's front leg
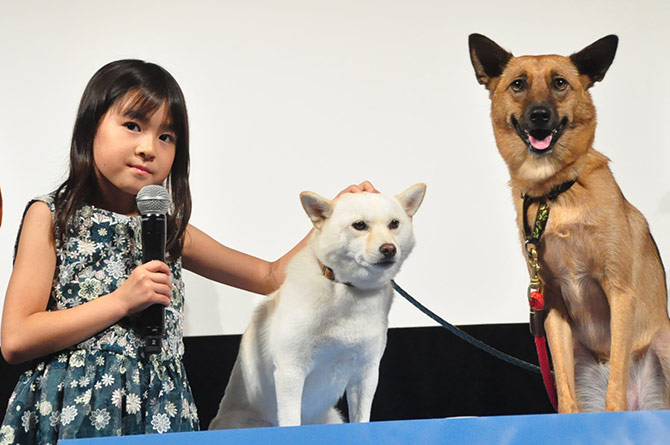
x: 622, y: 314
x: 559, y: 336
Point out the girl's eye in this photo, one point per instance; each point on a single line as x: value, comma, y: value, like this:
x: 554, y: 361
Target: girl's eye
x: 359, y: 225
x: 394, y: 224
x: 560, y: 84
x: 132, y: 126
x: 170, y: 139
x: 518, y: 85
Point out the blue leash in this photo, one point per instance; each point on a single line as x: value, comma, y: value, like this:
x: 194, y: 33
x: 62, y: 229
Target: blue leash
x: 465, y: 336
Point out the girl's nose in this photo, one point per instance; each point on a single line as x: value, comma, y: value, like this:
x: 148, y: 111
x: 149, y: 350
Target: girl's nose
x: 146, y: 150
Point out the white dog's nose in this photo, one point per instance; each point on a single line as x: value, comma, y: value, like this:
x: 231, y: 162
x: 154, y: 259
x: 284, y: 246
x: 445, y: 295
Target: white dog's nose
x: 388, y: 250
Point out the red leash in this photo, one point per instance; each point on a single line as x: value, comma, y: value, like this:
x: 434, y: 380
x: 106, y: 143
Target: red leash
x: 541, y: 346
x: 536, y: 302
x: 532, y: 235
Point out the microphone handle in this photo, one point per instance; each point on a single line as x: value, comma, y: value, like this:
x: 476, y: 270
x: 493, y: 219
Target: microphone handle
x: 152, y: 319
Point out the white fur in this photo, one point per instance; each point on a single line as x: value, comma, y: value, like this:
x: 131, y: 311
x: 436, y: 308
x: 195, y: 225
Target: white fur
x: 314, y: 339
x: 645, y: 388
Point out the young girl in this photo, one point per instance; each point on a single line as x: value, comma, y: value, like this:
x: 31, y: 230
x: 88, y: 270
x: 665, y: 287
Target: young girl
x: 78, y: 280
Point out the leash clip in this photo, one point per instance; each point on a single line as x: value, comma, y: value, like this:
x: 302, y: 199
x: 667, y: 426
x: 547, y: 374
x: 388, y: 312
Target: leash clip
x: 535, y: 293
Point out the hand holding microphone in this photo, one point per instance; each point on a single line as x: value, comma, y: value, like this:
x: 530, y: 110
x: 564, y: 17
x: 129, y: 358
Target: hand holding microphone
x: 148, y: 284
x: 153, y: 202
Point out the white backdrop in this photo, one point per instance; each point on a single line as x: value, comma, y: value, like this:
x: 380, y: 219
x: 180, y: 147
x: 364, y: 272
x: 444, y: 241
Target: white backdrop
x: 316, y: 95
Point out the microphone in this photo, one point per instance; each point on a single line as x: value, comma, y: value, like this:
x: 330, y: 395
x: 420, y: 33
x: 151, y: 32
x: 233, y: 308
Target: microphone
x: 153, y: 202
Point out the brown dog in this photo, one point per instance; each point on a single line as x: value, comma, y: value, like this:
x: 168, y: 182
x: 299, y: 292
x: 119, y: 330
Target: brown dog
x: 605, y: 290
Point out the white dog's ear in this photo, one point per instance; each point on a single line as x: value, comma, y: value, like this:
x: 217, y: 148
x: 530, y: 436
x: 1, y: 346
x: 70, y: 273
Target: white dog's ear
x: 411, y: 199
x: 317, y: 207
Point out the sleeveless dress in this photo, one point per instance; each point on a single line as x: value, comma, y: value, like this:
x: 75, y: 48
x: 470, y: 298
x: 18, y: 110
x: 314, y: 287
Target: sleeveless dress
x: 106, y: 385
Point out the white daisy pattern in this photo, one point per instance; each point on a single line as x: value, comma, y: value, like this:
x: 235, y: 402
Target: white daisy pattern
x: 117, y: 398
x: 86, y: 247
x: 168, y: 385
x: 100, y: 418
x: 90, y: 289
x: 160, y: 423
x: 116, y: 269
x: 28, y: 420
x: 105, y: 385
x: 133, y: 403
x: 6, y: 435
x: 170, y: 409
x: 84, y: 398
x: 107, y: 380
x: 45, y: 408
x: 68, y: 414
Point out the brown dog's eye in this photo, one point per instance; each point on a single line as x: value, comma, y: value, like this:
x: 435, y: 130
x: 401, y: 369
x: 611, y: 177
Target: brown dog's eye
x: 560, y: 84
x: 359, y: 225
x: 394, y: 224
x: 518, y: 85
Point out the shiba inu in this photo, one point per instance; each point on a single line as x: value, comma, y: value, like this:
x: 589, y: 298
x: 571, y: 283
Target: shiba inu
x: 605, y: 290
x: 323, y: 332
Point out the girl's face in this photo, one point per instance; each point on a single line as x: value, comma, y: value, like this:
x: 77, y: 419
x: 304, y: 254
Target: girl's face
x: 131, y: 150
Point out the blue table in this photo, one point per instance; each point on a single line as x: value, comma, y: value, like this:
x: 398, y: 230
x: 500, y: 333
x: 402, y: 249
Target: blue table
x: 644, y: 428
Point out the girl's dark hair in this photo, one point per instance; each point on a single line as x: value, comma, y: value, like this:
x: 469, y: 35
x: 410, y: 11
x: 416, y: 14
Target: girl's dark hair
x: 153, y: 86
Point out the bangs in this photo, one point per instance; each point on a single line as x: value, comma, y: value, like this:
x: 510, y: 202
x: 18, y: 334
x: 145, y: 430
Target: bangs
x: 140, y: 104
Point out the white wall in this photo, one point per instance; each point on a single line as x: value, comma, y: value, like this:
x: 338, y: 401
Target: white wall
x: 315, y: 95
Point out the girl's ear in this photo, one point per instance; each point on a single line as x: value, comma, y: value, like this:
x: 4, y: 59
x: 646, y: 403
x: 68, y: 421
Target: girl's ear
x: 411, y: 199
x: 317, y: 207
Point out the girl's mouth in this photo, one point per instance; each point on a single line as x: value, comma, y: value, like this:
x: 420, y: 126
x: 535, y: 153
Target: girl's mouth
x: 140, y: 169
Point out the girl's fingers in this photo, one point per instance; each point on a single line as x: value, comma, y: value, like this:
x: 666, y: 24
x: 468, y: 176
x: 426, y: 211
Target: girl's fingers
x: 157, y: 266
x: 162, y: 288
x: 365, y: 186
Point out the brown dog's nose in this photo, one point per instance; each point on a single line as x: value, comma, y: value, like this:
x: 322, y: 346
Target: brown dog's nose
x: 388, y: 250
x: 539, y: 115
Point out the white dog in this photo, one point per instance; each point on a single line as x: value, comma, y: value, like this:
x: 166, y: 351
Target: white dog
x: 324, y: 331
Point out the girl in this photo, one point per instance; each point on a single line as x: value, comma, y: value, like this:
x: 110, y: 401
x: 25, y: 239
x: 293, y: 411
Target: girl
x: 78, y: 280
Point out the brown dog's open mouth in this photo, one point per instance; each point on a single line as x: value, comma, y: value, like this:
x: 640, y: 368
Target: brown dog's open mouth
x: 540, y: 141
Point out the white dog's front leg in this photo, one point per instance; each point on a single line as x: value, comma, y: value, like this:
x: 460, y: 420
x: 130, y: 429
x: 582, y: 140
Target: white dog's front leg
x: 289, y: 383
x: 360, y: 393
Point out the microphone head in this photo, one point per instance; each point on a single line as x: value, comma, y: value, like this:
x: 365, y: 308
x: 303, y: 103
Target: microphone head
x: 153, y: 199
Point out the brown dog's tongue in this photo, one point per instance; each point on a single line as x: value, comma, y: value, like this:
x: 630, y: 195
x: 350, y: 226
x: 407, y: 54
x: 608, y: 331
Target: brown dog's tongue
x: 540, y: 144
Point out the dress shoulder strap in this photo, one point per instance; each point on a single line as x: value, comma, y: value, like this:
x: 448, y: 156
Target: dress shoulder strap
x: 49, y: 201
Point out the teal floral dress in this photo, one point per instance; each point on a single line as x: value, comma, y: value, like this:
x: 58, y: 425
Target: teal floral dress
x: 106, y: 385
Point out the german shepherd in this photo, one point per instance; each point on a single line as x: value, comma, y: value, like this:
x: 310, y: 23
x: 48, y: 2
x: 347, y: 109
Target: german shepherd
x: 606, y: 297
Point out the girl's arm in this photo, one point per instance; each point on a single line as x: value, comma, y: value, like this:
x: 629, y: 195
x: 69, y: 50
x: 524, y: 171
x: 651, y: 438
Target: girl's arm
x: 205, y: 256
x: 29, y: 331
x: 211, y: 259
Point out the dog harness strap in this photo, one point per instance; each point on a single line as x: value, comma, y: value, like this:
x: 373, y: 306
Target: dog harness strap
x: 532, y: 235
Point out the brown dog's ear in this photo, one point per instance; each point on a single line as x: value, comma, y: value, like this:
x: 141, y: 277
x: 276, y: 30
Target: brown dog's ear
x: 488, y: 58
x: 594, y: 60
x: 317, y: 207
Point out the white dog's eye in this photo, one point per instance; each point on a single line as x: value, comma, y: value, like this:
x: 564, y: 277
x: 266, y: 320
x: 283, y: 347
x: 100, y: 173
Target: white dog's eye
x: 394, y: 224
x: 359, y: 225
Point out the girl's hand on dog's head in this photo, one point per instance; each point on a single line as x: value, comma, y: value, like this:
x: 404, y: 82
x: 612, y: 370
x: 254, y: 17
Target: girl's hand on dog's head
x: 365, y: 186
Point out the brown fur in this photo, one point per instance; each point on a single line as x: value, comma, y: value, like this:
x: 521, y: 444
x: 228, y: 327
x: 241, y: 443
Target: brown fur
x: 605, y: 282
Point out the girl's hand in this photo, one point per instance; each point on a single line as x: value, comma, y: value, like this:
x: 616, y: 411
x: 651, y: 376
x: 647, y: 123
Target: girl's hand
x: 365, y: 186
x: 148, y: 284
